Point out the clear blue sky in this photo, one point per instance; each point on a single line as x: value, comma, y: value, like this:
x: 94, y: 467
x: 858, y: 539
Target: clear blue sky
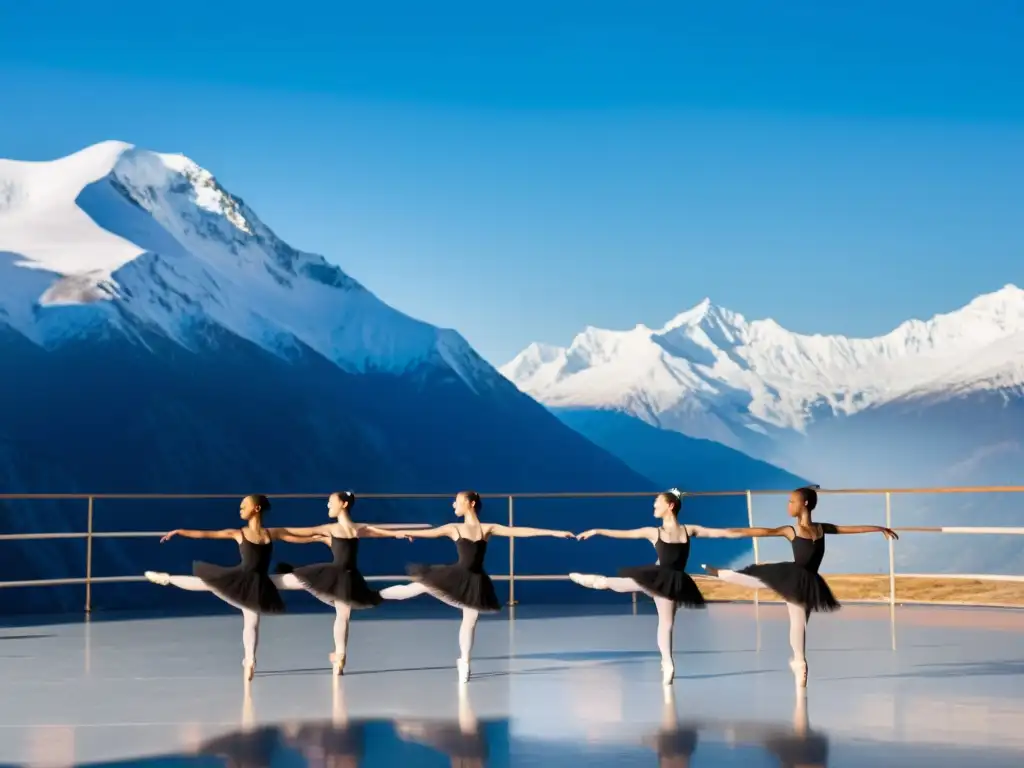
x: 521, y: 173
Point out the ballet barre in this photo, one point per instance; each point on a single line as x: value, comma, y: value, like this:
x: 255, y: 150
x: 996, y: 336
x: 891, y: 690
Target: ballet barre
x: 513, y: 576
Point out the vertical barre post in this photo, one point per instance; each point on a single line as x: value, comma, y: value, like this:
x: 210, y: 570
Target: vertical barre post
x: 892, y: 550
x: 511, y: 554
x: 892, y: 569
x: 750, y: 524
x: 88, y: 559
x: 757, y: 592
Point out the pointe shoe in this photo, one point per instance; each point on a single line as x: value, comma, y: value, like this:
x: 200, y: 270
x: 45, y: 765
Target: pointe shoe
x: 588, y: 580
x: 799, y: 672
x: 668, y: 672
x: 248, y: 670
x: 463, y: 667
x: 337, y: 664
x: 157, y: 577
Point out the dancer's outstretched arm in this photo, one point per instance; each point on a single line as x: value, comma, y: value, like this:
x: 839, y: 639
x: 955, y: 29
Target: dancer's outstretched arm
x: 449, y: 531
x: 292, y: 535
x: 315, y: 530
x: 649, y: 533
x: 889, y: 533
x: 785, y: 531
x: 520, y: 532
x: 373, y: 532
x: 228, y: 533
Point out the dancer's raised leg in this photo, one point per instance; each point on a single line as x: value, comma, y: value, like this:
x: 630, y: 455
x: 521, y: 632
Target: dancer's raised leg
x: 666, y: 624
x: 250, y: 640
x: 737, y: 578
x: 404, y: 591
x: 614, y: 583
x: 190, y: 583
x: 467, y: 633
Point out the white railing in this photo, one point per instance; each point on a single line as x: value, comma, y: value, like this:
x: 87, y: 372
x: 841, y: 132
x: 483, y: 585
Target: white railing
x: 90, y: 535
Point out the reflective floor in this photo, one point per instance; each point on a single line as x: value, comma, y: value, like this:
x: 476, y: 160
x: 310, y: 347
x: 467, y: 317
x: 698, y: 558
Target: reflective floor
x: 555, y: 686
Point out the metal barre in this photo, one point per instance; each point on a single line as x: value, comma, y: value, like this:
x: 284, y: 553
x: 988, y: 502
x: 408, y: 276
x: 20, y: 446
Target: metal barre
x: 512, y: 577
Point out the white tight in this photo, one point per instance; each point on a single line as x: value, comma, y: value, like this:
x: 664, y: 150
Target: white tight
x: 798, y: 614
x: 342, y: 611
x: 666, y: 610
x: 467, y: 631
x: 250, y: 618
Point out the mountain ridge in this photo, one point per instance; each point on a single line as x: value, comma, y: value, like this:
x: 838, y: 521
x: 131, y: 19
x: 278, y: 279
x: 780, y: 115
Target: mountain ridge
x: 710, y: 373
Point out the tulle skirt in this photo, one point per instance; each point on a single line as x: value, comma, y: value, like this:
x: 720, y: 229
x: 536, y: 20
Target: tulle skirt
x: 795, y: 584
x: 669, y: 583
x: 242, y: 587
x: 457, y: 586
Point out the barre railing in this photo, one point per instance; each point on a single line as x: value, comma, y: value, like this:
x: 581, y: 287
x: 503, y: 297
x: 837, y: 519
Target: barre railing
x: 90, y: 534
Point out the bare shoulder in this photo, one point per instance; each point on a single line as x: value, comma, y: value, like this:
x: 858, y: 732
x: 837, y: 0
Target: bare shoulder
x: 653, y: 533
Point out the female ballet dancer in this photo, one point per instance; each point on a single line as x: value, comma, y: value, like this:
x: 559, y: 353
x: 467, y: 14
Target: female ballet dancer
x: 798, y: 582
x: 247, y: 586
x: 338, y: 583
x: 464, y: 584
x: 667, y: 581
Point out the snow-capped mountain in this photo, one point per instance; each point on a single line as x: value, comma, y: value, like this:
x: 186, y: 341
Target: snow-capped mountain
x: 933, y: 403
x: 156, y: 336
x: 711, y: 373
x: 150, y: 240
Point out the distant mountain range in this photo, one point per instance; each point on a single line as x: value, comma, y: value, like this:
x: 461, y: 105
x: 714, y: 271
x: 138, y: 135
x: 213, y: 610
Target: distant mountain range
x: 933, y: 403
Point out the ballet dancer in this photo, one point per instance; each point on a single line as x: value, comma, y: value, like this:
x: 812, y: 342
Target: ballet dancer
x: 798, y: 582
x: 338, y: 583
x: 247, y: 586
x: 464, y: 584
x: 667, y: 581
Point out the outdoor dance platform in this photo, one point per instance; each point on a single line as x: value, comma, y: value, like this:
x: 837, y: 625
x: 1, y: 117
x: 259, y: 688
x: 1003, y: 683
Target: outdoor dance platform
x: 551, y: 686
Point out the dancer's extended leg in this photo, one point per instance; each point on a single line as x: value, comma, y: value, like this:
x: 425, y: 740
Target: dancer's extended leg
x: 614, y: 583
x: 250, y: 639
x: 467, y: 632
x: 404, y: 591
x: 737, y: 578
x: 666, y: 624
x: 798, y: 618
x: 342, y: 615
x: 191, y: 583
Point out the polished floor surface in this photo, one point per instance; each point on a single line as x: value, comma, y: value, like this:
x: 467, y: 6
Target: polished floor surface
x: 553, y: 686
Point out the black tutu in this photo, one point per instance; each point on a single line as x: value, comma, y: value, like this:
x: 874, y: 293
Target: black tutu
x: 795, y: 584
x: 669, y: 583
x: 458, y: 586
x: 331, y: 583
x: 241, y: 586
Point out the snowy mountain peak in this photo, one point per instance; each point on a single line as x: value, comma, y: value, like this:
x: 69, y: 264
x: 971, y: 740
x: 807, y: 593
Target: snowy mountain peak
x: 710, y: 373
x: 703, y: 312
x: 144, y: 240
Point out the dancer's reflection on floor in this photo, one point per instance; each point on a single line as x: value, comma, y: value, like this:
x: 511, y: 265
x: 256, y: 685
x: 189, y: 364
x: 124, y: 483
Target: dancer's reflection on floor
x: 674, y: 743
x: 464, y: 742
x: 339, y: 743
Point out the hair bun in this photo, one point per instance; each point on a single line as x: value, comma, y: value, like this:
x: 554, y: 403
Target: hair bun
x: 676, y: 492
